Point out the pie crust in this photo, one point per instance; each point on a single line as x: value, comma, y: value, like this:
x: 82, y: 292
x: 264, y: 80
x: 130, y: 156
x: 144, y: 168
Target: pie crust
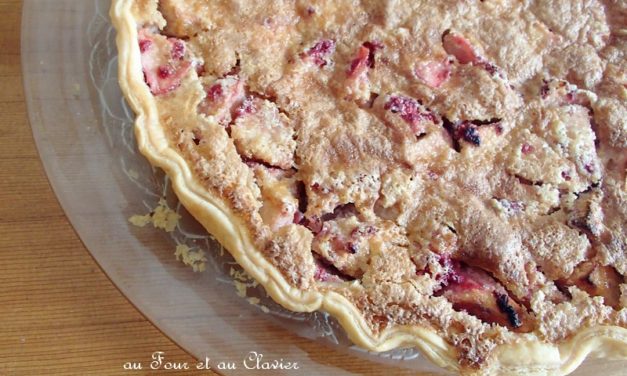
x: 576, y: 247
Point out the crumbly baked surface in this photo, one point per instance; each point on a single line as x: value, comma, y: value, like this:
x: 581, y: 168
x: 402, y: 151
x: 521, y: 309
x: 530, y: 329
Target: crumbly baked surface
x: 453, y: 166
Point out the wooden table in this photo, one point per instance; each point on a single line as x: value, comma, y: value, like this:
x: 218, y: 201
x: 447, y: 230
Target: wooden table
x: 59, y: 313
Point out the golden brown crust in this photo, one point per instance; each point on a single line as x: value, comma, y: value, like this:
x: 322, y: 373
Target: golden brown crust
x: 422, y: 182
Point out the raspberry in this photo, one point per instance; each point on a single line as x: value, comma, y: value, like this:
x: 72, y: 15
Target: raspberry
x: 165, y: 71
x: 320, y: 51
x: 459, y: 47
x: 145, y: 45
x: 359, y: 63
x: 526, y: 148
x: 544, y: 89
x: 247, y: 107
x: 489, y: 67
x: 451, y: 273
x: 364, y: 59
x: 372, y: 49
x: 178, y: 49
x: 409, y: 110
x: 566, y: 175
x: 162, y: 72
x: 215, y: 92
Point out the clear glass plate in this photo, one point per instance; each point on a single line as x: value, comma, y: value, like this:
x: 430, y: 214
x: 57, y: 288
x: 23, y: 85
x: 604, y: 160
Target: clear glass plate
x: 84, y: 133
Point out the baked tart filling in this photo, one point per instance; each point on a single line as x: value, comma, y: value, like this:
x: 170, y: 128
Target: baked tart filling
x: 449, y: 175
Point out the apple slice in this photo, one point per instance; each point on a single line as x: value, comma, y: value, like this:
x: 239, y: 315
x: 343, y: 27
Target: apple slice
x: 596, y: 280
x: 474, y: 291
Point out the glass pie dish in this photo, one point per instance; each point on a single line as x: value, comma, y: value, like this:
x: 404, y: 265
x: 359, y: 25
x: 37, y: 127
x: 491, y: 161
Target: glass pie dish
x: 84, y: 133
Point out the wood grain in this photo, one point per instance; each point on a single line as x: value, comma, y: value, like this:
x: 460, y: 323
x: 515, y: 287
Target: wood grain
x: 59, y: 313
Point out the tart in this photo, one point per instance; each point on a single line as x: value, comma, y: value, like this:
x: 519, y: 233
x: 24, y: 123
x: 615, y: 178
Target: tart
x: 449, y: 175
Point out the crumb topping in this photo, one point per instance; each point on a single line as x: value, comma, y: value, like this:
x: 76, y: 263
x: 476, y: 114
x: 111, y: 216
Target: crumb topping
x: 459, y: 165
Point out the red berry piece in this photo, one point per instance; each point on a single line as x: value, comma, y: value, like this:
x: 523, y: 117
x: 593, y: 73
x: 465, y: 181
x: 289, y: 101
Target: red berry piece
x: 465, y: 53
x: 163, y: 61
x: 410, y: 110
x: 465, y: 130
x: 526, y: 148
x: 566, y: 175
x: 145, y: 45
x: 459, y: 47
x: 248, y: 107
x: 364, y: 59
x: 320, y: 52
x: 165, y: 71
x: 544, y: 89
x: 489, y: 67
x: 316, y: 187
x: 223, y: 98
x: 433, y: 73
x: 451, y: 273
x: 373, y: 47
x: 178, y: 49
x: 359, y: 65
x: 214, y: 92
